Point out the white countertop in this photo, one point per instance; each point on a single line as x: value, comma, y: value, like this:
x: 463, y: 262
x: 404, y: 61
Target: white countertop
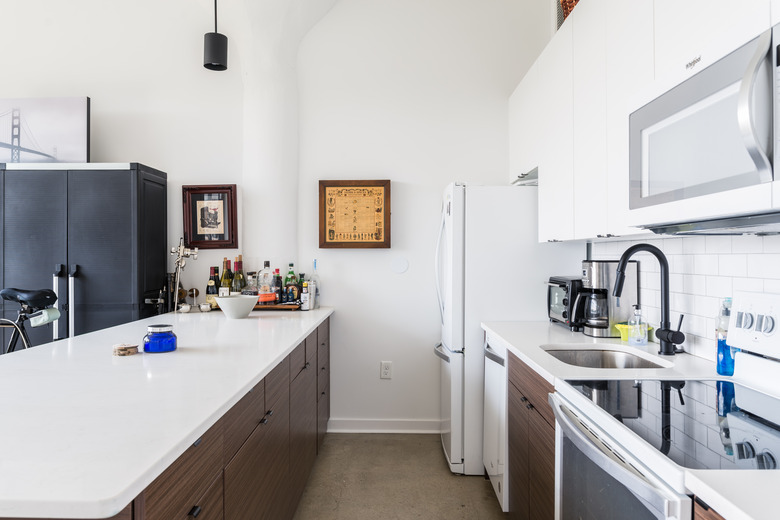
x: 83, y: 432
x: 735, y: 494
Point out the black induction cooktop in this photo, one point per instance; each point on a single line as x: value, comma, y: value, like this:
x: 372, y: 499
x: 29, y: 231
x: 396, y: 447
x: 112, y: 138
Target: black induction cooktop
x: 697, y: 424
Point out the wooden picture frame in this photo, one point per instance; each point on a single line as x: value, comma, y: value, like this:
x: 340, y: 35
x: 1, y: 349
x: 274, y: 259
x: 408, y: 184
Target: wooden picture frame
x: 355, y: 214
x: 210, y: 220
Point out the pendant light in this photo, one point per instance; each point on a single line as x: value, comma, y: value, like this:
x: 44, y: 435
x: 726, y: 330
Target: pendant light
x: 215, y: 47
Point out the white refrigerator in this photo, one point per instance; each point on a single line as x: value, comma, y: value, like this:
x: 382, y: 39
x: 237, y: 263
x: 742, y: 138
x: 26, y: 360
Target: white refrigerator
x: 489, y: 267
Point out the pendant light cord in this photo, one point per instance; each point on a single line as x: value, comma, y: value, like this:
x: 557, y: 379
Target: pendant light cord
x: 215, y: 16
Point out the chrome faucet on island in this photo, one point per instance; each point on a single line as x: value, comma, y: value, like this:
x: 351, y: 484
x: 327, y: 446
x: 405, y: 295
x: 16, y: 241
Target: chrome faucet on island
x: 666, y: 336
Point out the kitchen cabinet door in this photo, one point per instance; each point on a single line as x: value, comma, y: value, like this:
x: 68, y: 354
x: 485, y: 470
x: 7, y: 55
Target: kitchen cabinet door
x: 690, y: 35
x: 525, y: 119
x: 517, y: 432
x: 556, y: 162
x: 629, y: 68
x: 541, y: 467
x: 34, y: 238
x: 303, y: 423
x: 589, y: 119
x: 323, y: 381
x: 702, y: 511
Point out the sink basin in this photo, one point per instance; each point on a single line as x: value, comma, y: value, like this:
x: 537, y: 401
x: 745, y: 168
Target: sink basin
x: 599, y: 358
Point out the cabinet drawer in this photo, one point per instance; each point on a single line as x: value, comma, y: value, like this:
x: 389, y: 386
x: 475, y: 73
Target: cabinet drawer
x: 323, y: 415
x: 174, y: 492
x: 277, y: 383
x: 210, y: 505
x: 240, y: 420
x: 533, y: 386
x: 323, y: 333
x: 311, y: 348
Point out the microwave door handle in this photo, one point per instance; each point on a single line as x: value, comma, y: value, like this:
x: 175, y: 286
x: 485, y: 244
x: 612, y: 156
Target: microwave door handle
x: 744, y: 109
x: 648, y: 494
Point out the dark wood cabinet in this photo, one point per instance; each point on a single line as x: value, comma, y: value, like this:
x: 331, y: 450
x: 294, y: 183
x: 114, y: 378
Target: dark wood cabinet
x: 109, y: 224
x: 303, y: 418
x: 323, y: 381
x: 701, y: 511
x: 256, y: 478
x: 531, y: 431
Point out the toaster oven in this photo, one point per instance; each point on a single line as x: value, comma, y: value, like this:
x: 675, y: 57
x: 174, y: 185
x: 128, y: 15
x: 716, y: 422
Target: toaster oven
x: 562, y: 294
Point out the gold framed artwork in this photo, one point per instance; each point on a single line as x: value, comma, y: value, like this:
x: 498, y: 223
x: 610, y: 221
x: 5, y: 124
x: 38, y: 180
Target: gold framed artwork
x: 355, y: 214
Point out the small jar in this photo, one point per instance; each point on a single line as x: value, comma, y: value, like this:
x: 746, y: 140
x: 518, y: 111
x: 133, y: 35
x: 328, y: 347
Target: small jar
x: 159, y: 338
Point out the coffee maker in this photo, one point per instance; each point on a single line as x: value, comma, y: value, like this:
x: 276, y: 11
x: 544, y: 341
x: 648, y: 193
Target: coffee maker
x: 599, y: 310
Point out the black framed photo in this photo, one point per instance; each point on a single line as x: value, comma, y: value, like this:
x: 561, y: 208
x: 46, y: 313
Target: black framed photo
x: 210, y: 220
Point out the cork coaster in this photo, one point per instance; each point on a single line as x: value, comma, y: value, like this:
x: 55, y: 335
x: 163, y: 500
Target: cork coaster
x: 125, y: 349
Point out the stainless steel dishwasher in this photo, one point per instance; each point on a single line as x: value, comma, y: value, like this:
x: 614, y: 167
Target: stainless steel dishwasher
x: 494, y: 433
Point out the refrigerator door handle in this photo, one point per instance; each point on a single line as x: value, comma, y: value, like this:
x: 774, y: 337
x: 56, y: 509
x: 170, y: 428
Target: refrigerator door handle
x: 55, y: 286
x: 437, y: 261
x: 74, y: 270
x: 438, y: 350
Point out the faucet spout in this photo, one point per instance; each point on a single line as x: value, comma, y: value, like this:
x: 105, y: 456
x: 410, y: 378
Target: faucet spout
x: 666, y: 336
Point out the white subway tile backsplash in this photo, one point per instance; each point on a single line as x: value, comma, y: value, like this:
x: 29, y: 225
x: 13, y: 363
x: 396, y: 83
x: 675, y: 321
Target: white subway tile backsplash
x: 702, y: 271
x: 719, y: 286
x: 705, y: 264
x: 718, y: 244
x: 749, y: 244
x: 732, y: 265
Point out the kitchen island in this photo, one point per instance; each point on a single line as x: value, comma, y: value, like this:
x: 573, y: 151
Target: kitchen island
x: 736, y: 494
x: 85, y: 432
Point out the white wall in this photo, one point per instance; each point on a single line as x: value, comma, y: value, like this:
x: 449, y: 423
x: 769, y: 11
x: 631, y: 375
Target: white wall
x: 415, y: 92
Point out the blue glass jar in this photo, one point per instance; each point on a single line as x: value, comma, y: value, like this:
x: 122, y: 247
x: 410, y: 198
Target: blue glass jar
x: 159, y: 338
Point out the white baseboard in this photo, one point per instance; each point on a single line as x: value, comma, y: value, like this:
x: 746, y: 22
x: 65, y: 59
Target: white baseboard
x: 383, y: 426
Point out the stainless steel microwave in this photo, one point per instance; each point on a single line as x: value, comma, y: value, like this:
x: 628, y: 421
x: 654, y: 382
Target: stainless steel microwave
x: 710, y: 135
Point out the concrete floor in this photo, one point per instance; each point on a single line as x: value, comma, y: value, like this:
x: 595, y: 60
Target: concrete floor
x: 392, y: 476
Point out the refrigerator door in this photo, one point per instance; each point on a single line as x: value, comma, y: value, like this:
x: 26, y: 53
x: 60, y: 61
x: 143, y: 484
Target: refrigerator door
x: 449, y: 268
x: 451, y: 367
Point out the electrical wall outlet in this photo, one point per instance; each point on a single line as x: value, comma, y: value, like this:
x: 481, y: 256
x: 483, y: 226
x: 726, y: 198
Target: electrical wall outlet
x: 385, y: 370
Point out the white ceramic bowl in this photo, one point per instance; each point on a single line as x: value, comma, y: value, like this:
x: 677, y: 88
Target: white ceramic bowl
x: 238, y: 306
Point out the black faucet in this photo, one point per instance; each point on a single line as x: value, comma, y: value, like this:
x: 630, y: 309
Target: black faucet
x: 668, y: 337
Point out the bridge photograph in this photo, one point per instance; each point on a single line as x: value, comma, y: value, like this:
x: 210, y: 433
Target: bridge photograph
x: 35, y: 130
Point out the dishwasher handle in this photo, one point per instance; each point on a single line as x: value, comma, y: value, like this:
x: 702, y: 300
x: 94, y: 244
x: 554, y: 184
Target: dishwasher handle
x: 492, y: 356
x: 647, y: 493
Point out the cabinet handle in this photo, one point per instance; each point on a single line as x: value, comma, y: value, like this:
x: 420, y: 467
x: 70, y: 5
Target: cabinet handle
x: 529, y: 406
x: 307, y: 365
x: 263, y: 421
x: 194, y: 512
x: 196, y: 443
x: 269, y: 413
x: 523, y: 399
x: 323, y: 393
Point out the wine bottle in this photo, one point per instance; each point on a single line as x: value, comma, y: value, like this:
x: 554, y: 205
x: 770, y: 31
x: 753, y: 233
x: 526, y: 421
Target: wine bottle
x: 211, y: 287
x: 238, y: 283
x: 278, y: 293
x: 227, y: 279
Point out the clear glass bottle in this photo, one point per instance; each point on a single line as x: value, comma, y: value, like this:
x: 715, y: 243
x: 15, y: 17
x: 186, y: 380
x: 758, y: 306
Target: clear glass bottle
x: 725, y: 358
x: 265, y: 285
x: 637, y: 328
x: 305, y: 301
x: 314, y: 287
x: 251, y: 284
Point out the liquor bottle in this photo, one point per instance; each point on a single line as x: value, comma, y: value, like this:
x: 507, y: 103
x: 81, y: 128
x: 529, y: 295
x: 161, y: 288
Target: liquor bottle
x: 212, y: 289
x: 305, y: 302
x: 265, y: 285
x: 279, y: 296
x: 314, y: 287
x: 238, y: 283
x: 227, y: 279
x: 251, y: 284
x: 291, y: 285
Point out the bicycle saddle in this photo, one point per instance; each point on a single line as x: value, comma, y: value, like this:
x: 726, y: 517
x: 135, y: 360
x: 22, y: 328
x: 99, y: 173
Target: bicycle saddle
x: 39, y: 299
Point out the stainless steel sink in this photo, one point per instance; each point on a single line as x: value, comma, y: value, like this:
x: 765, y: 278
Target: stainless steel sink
x: 596, y: 358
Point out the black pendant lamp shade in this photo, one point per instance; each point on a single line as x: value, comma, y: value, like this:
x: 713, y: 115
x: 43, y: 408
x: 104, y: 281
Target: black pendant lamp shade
x: 215, y: 47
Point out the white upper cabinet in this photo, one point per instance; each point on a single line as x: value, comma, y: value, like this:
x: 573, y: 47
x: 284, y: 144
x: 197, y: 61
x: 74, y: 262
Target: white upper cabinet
x: 589, y: 119
x: 691, y: 34
x: 556, y: 161
x: 525, y: 118
x: 629, y: 67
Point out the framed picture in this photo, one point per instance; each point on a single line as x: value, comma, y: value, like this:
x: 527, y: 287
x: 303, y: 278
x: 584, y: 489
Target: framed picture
x: 355, y: 214
x: 210, y: 216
